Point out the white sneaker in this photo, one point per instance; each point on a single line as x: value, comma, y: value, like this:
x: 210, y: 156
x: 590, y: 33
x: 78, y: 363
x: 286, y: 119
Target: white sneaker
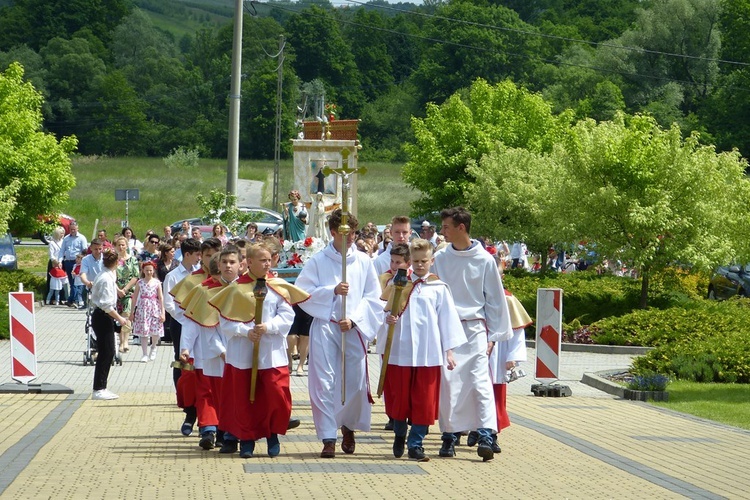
x: 104, y: 395
x: 152, y: 355
x: 144, y: 359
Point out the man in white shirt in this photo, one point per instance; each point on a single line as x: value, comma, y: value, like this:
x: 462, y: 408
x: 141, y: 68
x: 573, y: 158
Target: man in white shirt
x: 400, y: 232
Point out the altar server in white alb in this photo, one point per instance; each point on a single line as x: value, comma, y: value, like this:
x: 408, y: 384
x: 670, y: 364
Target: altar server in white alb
x: 466, y: 399
x: 322, y: 279
x: 268, y: 415
x: 427, y: 328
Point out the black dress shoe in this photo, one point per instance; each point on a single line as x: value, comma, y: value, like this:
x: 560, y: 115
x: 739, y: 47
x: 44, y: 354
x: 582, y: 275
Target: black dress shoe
x: 347, y: 444
x: 398, y: 446
x: 417, y: 453
x: 389, y: 425
x: 472, y: 439
x: 485, y: 451
x: 229, y: 446
x: 495, y: 447
x: 293, y: 423
x: 447, y: 450
x: 208, y: 440
x: 329, y: 449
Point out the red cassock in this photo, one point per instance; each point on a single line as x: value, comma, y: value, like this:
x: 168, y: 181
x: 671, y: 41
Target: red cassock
x: 270, y: 412
x: 412, y: 392
x: 503, y: 420
x: 205, y: 399
x: 186, y: 389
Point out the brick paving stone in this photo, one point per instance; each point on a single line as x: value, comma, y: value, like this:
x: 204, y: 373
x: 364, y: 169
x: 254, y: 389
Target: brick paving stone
x: 589, y: 445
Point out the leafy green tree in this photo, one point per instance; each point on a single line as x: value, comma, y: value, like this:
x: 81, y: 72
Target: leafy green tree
x: 221, y: 206
x: 514, y: 197
x: 136, y: 39
x: 120, y: 123
x: 386, y: 124
x: 370, y: 51
x: 474, y: 51
x: 35, y: 169
x: 465, y: 128
x: 35, y: 22
x: 320, y: 51
x: 735, y: 25
x: 683, y: 40
x: 71, y: 70
x: 7, y: 203
x: 652, y: 198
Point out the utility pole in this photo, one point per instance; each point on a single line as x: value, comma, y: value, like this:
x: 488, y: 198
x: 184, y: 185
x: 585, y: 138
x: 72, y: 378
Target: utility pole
x: 233, y: 152
x: 277, y: 145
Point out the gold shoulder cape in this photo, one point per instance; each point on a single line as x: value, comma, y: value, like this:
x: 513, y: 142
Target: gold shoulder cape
x: 388, y: 294
x: 384, y: 279
x: 236, y: 301
x: 196, y: 304
x: 181, y: 289
x: 519, y: 318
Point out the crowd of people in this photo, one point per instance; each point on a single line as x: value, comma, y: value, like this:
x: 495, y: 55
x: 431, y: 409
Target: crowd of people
x: 454, y: 335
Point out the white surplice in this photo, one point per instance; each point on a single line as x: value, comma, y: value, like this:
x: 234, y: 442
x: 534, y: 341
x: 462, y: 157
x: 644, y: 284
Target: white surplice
x: 278, y: 316
x: 319, y: 277
x: 513, y: 349
x: 428, y: 327
x: 467, y: 401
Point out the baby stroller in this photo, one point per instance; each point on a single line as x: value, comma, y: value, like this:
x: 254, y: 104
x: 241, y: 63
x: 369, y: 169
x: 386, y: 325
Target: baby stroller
x: 89, y: 355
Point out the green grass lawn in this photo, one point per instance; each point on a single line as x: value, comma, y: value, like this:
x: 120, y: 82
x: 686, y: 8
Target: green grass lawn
x: 32, y: 258
x: 168, y: 195
x: 725, y: 403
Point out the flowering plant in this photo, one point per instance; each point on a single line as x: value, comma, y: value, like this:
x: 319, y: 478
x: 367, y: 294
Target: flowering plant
x: 296, y: 253
x: 331, y: 111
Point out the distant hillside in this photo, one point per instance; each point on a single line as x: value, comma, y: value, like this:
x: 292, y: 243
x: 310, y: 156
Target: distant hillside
x: 181, y: 17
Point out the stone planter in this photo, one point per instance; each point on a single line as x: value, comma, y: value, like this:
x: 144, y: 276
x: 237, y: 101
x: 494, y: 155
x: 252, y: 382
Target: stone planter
x: 646, y: 395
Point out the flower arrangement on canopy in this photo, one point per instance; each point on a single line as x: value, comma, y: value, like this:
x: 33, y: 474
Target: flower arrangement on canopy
x: 296, y: 253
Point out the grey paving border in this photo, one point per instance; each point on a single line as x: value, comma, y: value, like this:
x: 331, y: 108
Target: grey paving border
x: 17, y: 457
x: 600, y: 349
x: 637, y: 469
x: 598, y: 381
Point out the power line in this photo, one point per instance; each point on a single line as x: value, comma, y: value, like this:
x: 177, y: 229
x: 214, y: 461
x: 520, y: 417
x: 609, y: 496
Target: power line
x: 522, y: 56
x: 546, y: 35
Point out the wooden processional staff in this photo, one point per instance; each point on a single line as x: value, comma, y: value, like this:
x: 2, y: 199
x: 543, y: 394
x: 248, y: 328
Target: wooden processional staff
x: 345, y: 171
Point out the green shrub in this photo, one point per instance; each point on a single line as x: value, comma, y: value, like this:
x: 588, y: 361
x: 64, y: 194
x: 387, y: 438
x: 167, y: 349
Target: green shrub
x: 587, y: 296
x: 9, y: 281
x: 182, y: 158
x: 704, y: 341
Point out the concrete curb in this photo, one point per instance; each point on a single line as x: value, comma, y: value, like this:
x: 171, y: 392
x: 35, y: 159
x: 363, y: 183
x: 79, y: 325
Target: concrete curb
x: 600, y: 349
x: 597, y: 381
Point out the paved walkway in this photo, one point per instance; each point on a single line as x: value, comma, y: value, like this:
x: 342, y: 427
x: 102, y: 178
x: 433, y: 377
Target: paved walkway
x: 590, y: 445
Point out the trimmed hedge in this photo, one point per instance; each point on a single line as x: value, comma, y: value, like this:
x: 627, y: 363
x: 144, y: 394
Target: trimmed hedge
x: 9, y: 281
x: 589, y: 297
x: 706, y: 342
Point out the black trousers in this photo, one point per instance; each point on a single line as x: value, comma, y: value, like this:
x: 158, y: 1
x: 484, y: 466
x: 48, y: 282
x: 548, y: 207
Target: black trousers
x: 104, y: 327
x: 175, y: 328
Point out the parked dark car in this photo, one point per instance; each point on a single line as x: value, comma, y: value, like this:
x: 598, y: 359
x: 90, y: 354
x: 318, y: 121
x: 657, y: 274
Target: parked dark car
x: 728, y: 281
x: 7, y: 253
